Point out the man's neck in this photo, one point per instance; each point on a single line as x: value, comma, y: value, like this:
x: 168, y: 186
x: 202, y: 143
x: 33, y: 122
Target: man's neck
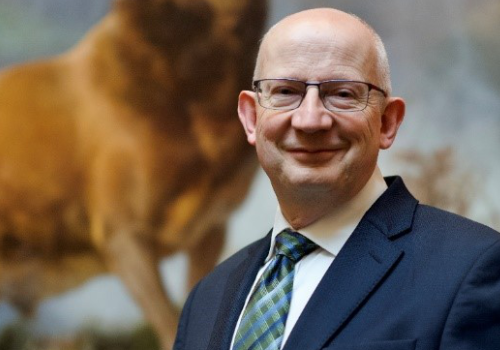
x: 303, y: 211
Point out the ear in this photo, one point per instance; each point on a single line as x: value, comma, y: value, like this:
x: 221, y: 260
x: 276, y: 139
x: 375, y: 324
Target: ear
x: 391, y: 120
x: 247, y: 112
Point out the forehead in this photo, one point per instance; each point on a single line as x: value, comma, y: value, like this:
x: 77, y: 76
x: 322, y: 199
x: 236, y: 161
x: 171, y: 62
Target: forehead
x: 319, y: 50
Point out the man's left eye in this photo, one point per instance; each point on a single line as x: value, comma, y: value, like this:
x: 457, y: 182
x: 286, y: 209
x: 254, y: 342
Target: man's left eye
x: 342, y: 94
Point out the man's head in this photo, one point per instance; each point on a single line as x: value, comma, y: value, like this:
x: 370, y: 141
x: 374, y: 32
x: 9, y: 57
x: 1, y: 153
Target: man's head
x: 311, y: 151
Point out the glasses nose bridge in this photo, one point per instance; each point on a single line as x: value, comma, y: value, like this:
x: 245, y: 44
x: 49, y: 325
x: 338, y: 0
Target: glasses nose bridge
x: 312, y: 83
x: 307, y: 85
x: 312, y: 115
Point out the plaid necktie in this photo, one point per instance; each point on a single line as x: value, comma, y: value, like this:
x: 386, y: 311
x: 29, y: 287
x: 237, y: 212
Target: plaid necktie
x: 263, y: 323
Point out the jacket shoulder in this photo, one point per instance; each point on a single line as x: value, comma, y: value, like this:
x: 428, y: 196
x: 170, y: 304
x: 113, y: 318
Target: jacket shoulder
x: 450, y: 239
x: 440, y: 221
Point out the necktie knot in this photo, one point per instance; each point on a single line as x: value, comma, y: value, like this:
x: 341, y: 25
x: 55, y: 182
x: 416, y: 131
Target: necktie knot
x: 293, y: 245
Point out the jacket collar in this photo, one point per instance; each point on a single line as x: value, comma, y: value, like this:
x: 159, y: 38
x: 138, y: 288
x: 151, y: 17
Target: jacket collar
x: 366, y: 258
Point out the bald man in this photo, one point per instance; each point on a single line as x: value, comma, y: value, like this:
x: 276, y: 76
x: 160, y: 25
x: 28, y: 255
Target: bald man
x: 353, y: 261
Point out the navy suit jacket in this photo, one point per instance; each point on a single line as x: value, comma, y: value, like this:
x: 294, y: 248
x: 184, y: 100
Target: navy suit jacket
x: 409, y: 277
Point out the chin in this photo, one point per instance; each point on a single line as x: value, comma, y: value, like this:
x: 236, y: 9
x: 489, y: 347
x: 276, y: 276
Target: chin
x: 312, y: 178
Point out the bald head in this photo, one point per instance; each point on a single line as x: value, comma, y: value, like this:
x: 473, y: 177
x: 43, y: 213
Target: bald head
x: 339, y: 31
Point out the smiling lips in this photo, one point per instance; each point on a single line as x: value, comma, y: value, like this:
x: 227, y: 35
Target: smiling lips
x: 313, y: 155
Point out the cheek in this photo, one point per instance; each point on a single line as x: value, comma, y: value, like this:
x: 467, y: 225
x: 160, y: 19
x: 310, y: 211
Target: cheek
x: 266, y: 142
x: 271, y: 132
x: 271, y: 128
x: 367, y: 130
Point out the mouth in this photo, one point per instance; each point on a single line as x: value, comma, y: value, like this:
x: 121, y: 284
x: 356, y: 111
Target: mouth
x: 312, y: 155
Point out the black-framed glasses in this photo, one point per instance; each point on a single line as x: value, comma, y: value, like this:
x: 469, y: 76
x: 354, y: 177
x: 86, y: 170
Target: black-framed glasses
x: 336, y: 95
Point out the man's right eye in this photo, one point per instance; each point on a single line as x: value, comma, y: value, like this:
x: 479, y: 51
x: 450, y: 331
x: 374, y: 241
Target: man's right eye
x: 285, y: 90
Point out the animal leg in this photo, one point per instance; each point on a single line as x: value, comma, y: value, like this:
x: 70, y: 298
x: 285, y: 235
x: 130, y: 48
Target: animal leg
x: 130, y: 256
x: 205, y: 254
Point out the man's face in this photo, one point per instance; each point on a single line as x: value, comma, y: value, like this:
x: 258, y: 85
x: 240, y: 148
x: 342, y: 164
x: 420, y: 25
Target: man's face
x: 310, y: 148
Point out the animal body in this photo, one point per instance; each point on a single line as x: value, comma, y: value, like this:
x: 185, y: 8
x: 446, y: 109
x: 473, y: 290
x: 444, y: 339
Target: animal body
x: 126, y: 149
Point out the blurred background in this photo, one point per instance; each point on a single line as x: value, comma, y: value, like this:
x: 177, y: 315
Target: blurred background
x: 444, y: 58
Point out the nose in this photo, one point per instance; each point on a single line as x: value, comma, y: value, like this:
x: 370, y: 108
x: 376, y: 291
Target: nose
x: 311, y: 116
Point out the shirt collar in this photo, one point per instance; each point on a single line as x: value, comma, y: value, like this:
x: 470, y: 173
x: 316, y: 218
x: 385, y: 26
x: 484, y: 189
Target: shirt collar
x: 332, y: 231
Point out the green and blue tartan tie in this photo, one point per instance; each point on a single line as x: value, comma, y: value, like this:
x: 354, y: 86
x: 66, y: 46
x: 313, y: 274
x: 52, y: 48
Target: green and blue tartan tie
x: 263, y: 323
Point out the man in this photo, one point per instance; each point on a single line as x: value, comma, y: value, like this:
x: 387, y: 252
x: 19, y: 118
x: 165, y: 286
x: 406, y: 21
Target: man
x: 370, y: 268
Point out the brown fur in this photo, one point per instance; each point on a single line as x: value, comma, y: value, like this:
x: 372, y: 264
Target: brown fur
x: 126, y: 149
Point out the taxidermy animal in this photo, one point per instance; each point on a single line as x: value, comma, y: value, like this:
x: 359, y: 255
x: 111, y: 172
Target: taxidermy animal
x: 126, y: 149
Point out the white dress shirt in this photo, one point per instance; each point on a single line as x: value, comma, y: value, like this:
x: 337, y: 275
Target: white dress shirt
x: 330, y: 233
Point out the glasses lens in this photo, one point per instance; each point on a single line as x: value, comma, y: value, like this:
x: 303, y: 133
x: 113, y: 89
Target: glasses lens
x: 346, y: 96
x: 280, y: 93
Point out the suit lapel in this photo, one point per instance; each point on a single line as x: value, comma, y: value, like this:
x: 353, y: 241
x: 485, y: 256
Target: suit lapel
x: 238, y: 286
x: 367, y: 257
x: 360, y: 266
